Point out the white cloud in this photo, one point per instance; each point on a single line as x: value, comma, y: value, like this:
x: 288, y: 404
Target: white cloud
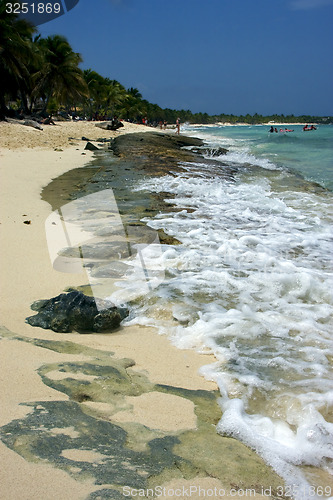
x: 309, y: 4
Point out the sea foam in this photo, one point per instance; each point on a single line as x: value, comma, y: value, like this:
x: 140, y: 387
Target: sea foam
x: 252, y: 283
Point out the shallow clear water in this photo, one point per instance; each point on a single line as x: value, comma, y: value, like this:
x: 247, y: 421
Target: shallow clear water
x: 308, y: 153
x: 252, y: 283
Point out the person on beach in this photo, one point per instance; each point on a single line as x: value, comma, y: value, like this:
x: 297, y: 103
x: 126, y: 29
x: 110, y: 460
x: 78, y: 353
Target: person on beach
x: 178, y: 126
x: 271, y: 129
x: 48, y: 121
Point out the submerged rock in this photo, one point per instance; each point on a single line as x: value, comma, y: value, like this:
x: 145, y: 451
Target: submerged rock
x: 76, y: 311
x: 210, y: 151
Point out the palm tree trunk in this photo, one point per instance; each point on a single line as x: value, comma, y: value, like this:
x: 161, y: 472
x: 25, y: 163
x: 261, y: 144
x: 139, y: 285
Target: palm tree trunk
x: 32, y: 103
x: 24, y: 102
x: 3, y: 107
x: 46, y: 103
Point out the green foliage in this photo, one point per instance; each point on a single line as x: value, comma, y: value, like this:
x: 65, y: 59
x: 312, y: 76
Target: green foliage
x: 60, y: 76
x: 53, y: 106
x: 15, y: 56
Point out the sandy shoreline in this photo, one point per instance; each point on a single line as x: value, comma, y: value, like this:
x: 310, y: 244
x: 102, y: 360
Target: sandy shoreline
x: 29, y: 159
x: 18, y: 137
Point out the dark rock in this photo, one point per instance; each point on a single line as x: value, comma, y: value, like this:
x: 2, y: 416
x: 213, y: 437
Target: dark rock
x: 106, y: 319
x: 91, y: 147
x: 76, y: 311
x: 113, y: 125
x: 167, y: 239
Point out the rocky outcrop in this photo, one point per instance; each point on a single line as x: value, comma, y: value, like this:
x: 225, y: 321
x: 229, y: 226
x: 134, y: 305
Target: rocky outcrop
x: 154, y: 152
x: 155, y: 145
x: 78, y: 312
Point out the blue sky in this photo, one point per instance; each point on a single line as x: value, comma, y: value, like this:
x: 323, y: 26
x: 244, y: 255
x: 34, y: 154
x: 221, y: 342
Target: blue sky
x: 214, y: 56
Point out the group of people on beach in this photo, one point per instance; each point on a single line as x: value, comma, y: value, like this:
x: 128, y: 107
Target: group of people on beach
x: 163, y: 125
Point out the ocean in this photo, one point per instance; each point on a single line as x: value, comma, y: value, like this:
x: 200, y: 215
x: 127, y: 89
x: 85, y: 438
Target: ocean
x: 251, y: 283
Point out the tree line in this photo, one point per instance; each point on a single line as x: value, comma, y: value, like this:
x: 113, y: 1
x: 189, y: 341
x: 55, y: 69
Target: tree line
x: 43, y: 76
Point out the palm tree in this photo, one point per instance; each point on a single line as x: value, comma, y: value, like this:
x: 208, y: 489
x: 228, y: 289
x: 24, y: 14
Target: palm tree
x: 115, y: 95
x: 105, y: 95
x: 15, y: 55
x: 60, y: 76
x: 131, y: 108
x: 134, y: 92
x: 96, y: 91
x: 132, y: 105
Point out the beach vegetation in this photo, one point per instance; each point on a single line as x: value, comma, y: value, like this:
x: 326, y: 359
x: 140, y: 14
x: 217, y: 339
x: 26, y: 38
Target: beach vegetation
x: 15, y: 54
x: 115, y: 96
x: 53, y: 106
x: 105, y: 96
x: 59, y: 76
x: 134, y: 92
x: 96, y: 92
x: 131, y: 109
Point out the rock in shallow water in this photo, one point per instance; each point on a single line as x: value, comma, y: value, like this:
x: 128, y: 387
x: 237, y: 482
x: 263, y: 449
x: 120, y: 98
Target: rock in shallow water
x: 76, y: 311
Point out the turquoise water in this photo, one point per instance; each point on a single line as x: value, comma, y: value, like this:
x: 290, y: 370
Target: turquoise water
x: 308, y: 153
x: 252, y: 283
